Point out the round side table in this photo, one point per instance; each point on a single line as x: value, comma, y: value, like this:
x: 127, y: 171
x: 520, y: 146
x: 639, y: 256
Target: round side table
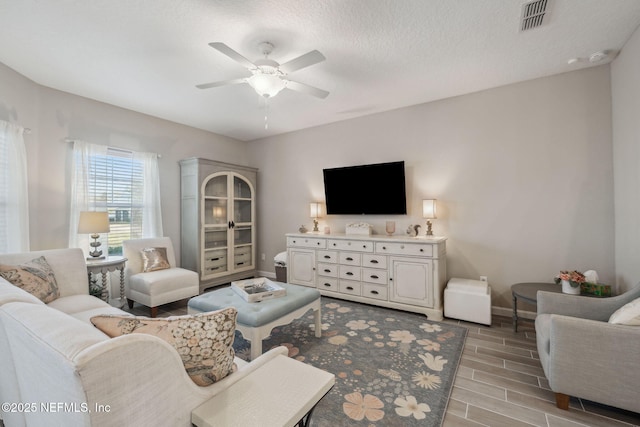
x: 528, y: 292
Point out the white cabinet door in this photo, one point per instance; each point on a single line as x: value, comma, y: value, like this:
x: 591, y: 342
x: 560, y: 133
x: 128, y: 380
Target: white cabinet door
x: 411, y: 281
x: 301, y: 269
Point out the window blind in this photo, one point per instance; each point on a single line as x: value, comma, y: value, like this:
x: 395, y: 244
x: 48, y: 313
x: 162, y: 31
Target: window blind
x: 116, y: 184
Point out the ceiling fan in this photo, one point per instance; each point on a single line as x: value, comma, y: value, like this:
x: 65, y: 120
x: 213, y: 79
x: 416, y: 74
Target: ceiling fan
x: 269, y: 77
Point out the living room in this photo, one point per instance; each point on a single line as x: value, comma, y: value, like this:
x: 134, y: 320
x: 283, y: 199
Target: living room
x: 531, y: 177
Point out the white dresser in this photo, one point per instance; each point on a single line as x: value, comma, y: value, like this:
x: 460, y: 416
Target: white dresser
x: 406, y: 273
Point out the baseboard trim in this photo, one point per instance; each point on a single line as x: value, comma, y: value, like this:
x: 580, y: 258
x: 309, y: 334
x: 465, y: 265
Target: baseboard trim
x: 267, y: 274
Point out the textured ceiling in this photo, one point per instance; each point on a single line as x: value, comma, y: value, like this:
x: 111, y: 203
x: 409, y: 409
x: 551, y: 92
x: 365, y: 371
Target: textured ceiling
x: 148, y: 55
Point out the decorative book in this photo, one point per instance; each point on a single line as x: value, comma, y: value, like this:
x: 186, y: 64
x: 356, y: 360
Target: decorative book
x: 258, y: 289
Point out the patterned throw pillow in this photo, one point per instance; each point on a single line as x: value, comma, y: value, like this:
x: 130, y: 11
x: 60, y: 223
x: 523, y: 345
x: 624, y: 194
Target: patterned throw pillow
x: 35, y: 277
x: 204, y: 341
x: 154, y: 259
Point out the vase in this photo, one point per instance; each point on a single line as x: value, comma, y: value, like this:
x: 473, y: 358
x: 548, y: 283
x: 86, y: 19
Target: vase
x: 568, y: 289
x: 390, y: 227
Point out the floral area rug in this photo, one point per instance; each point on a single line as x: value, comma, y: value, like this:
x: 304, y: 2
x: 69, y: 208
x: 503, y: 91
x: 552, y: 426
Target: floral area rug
x: 392, y: 368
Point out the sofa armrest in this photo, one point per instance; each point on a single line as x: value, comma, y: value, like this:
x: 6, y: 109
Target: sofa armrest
x: 595, y: 360
x: 143, y: 380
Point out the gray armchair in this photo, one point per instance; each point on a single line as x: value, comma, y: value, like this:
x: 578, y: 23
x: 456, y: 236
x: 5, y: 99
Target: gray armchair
x: 583, y: 355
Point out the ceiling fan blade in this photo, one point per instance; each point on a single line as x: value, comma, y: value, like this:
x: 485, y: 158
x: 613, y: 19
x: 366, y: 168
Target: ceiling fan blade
x: 221, y: 83
x: 223, y: 48
x: 302, y: 61
x: 304, y: 88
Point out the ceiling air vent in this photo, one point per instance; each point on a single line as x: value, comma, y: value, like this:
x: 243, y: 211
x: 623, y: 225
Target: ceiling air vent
x: 533, y: 14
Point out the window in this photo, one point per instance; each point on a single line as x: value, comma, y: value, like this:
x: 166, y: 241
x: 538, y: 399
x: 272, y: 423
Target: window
x: 117, y: 181
x: 14, y: 205
x: 121, y: 182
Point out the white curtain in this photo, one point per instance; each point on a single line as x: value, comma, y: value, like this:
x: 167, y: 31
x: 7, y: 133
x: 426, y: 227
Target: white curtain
x: 80, y: 182
x: 14, y: 198
x: 152, y: 212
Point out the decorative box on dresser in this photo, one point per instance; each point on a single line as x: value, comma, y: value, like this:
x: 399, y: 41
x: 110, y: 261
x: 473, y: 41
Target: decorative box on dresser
x: 218, y: 232
x: 406, y: 273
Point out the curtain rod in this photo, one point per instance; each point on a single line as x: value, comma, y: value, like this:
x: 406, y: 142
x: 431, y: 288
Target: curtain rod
x: 111, y: 147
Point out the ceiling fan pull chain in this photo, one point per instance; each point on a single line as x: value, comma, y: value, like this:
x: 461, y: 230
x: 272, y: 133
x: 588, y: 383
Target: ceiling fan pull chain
x: 266, y: 111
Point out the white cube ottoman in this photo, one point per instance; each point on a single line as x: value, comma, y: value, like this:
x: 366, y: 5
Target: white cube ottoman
x: 469, y: 300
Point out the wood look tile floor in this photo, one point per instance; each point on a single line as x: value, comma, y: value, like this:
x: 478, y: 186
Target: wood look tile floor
x: 500, y: 381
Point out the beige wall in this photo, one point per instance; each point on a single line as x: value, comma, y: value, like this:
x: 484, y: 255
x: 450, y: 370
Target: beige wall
x: 625, y: 92
x: 522, y: 174
x: 54, y: 116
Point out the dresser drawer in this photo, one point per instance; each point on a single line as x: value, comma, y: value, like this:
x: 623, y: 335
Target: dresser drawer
x: 306, y: 242
x: 328, y: 256
x: 374, y: 261
x: 374, y: 291
x: 373, y: 275
x: 349, y: 258
x: 328, y: 284
x: 398, y: 248
x: 330, y: 270
x: 348, y: 272
x: 348, y: 287
x: 350, y: 245
x: 213, y: 260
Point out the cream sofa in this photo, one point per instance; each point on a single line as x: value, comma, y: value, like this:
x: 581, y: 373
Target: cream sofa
x: 56, y: 369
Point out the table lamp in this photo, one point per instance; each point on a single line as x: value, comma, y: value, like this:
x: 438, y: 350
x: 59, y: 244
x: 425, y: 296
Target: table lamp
x: 314, y: 212
x: 94, y: 223
x: 429, y: 213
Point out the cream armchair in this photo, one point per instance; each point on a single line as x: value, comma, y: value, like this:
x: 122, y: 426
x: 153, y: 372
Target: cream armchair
x: 155, y: 288
x: 583, y: 355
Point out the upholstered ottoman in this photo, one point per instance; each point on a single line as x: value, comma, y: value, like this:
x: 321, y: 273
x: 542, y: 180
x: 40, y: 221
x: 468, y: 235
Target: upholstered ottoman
x: 257, y: 319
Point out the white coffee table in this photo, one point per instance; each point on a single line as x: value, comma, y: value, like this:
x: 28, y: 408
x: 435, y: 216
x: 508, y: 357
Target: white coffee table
x: 283, y: 392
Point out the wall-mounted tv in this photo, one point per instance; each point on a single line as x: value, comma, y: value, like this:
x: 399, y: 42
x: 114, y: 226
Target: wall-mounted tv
x: 374, y: 189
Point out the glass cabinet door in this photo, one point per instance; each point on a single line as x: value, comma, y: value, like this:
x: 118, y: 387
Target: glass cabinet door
x: 227, y: 224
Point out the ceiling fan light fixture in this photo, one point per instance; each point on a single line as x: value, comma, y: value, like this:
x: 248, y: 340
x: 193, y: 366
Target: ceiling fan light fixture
x: 267, y: 85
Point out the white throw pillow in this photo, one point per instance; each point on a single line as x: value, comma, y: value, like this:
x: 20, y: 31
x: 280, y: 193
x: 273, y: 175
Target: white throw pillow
x: 628, y: 314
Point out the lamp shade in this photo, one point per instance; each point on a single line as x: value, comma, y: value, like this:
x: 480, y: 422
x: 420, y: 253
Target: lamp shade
x: 267, y: 85
x: 93, y: 222
x: 429, y: 209
x: 314, y: 210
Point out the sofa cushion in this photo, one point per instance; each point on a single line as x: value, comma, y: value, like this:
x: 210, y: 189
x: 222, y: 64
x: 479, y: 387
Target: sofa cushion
x: 628, y: 314
x: 162, y: 281
x: 35, y: 277
x: 204, y: 341
x: 154, y: 259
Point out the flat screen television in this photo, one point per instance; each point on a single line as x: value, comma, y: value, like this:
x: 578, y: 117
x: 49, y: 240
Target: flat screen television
x: 374, y: 189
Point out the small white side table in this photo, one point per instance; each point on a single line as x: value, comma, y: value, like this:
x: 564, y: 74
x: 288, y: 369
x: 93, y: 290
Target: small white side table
x: 104, y: 266
x: 283, y: 392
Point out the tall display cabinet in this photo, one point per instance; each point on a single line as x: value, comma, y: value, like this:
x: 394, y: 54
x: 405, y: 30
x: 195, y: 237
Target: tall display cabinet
x: 218, y: 231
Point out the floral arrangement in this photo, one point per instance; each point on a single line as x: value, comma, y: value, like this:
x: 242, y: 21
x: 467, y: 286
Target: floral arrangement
x: 575, y: 278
